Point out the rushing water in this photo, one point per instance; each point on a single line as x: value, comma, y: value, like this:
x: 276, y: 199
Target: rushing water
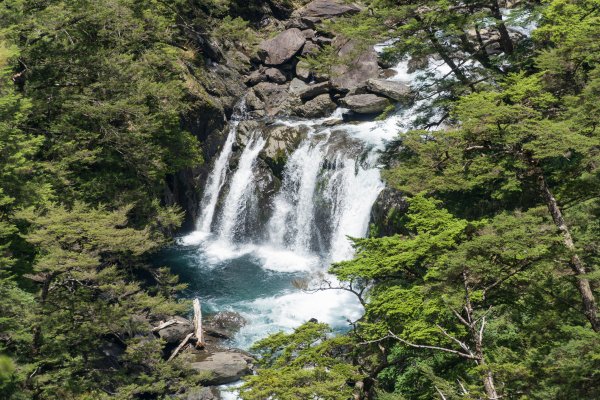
x: 237, y: 261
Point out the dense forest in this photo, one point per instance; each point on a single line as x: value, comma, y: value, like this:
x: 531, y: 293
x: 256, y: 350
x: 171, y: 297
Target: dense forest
x: 485, y: 289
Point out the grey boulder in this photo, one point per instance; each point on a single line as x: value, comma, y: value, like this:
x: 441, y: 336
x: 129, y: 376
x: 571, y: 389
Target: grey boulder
x: 394, y: 90
x: 360, y: 68
x: 223, y: 367
x: 177, y: 332
x: 326, y: 9
x: 307, y: 91
x: 282, y: 47
x: 320, y: 106
x: 365, y: 103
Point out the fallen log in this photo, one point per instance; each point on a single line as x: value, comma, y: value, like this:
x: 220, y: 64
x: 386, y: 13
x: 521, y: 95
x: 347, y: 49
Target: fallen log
x: 178, y: 349
x: 198, y: 324
x: 164, y: 325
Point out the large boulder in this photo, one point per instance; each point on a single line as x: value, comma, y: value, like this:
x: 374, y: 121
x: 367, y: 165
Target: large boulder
x: 394, y: 90
x: 365, y: 103
x: 361, y: 65
x: 320, y: 106
x: 307, y: 91
x: 269, y: 99
x: 177, y: 332
x: 326, y: 9
x: 275, y: 75
x: 223, y: 367
x: 388, y: 211
x: 282, y: 47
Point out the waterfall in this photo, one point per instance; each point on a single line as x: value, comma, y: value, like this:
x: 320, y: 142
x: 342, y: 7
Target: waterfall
x: 292, y: 221
x: 216, y: 178
x: 236, y: 202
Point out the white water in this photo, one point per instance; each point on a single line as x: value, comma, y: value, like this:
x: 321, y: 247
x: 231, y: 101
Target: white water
x: 329, y: 185
x: 216, y: 179
x: 236, y: 202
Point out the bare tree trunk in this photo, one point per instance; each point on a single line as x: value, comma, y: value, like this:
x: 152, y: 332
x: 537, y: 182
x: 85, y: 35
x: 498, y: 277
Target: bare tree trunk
x: 590, y: 307
x: 477, y: 335
x: 198, y: 324
x: 505, y: 40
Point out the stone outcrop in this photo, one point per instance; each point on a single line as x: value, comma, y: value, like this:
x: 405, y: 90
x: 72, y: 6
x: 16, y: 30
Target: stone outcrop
x: 282, y: 47
x: 222, y: 367
x: 359, y: 66
x: 394, y: 90
x: 320, y: 106
x: 325, y: 9
x: 389, y: 208
x: 307, y: 91
x: 177, y: 332
x: 365, y: 103
x: 268, y: 99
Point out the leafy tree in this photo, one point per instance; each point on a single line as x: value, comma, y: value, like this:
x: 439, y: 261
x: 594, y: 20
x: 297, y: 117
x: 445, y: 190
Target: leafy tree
x: 305, y: 364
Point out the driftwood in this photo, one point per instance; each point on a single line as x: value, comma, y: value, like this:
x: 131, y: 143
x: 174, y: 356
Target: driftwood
x: 183, y: 343
x: 198, y: 324
x: 164, y: 325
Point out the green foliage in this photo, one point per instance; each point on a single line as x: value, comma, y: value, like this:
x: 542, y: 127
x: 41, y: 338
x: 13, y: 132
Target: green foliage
x: 304, y: 364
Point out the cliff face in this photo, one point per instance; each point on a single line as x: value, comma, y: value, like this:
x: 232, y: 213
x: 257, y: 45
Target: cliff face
x: 277, y: 81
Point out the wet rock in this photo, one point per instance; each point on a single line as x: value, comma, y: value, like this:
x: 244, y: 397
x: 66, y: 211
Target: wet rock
x: 307, y: 91
x: 358, y: 70
x: 177, y: 332
x: 223, y: 367
x: 417, y: 63
x: 282, y: 140
x: 388, y: 73
x: 365, y: 103
x: 282, y: 47
x: 275, y: 75
x: 320, y: 106
x: 326, y: 9
x: 394, y: 90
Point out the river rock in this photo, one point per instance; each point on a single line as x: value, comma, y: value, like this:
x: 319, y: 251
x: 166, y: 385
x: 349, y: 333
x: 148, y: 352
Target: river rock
x: 365, y: 103
x: 320, y: 106
x: 177, y: 332
x: 307, y: 91
x: 270, y: 98
x: 282, y: 47
x: 223, y: 367
x: 326, y: 9
x: 303, y: 70
x: 205, y: 393
x: 394, y: 90
x: 388, y: 73
x: 356, y: 72
x: 282, y: 140
x: 275, y: 75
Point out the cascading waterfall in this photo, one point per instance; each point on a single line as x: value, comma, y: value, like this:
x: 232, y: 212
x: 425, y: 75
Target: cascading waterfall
x: 255, y: 238
x: 292, y: 221
x: 236, y: 202
x: 216, y: 179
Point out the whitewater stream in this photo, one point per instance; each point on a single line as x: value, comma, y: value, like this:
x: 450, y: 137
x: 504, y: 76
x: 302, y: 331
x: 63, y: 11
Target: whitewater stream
x: 238, y: 262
